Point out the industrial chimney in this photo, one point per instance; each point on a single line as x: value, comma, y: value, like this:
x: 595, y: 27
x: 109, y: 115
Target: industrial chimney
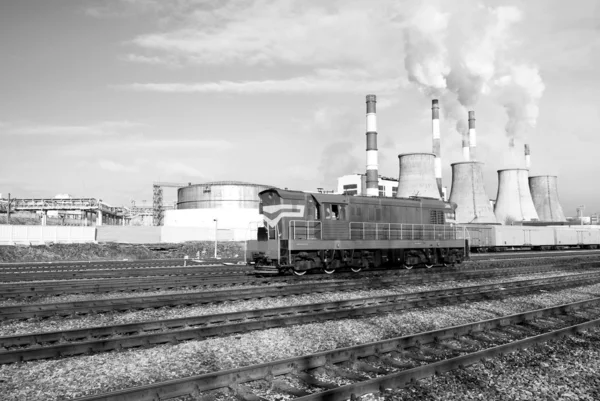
x: 417, y: 176
x: 372, y: 162
x: 435, y: 131
x: 527, y: 157
x: 468, y: 192
x: 472, y: 137
x: 544, y: 192
x: 465, y: 147
x: 513, y: 202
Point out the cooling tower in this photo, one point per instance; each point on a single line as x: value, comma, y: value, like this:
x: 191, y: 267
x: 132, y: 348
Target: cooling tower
x: 372, y: 161
x: 544, y: 193
x: 468, y: 192
x: 513, y: 202
x: 417, y: 176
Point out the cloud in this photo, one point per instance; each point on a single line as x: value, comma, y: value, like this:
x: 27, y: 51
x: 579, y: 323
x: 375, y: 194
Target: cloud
x: 268, y: 32
x: 115, y: 167
x: 318, y: 83
x: 152, y: 60
x: 96, y: 129
x: 177, y: 168
x: 195, y: 144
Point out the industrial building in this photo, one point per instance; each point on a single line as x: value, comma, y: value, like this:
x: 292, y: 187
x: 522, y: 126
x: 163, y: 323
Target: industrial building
x: 229, y: 208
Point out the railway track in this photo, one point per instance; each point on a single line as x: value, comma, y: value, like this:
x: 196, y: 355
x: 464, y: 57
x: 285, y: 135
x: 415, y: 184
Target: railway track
x: 70, y: 274
x: 380, y: 366
x: 33, y: 289
x: 26, y: 311
x: 147, y: 334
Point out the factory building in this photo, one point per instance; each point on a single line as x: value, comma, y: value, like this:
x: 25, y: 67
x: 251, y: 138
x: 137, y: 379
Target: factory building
x: 356, y: 184
x: 229, y: 208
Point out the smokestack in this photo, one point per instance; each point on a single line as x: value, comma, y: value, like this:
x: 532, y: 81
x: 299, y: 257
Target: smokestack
x: 472, y: 137
x: 514, y: 202
x: 544, y: 192
x: 465, y: 147
x: 437, y: 151
x: 527, y: 157
x: 468, y: 192
x: 372, y: 163
x: 417, y: 176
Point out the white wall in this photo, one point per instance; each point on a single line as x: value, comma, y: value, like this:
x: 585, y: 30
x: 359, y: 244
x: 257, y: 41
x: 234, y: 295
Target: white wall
x: 10, y: 234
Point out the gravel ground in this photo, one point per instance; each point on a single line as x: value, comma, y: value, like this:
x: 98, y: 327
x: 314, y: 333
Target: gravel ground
x: 78, y: 376
x: 565, y: 369
x: 107, y: 319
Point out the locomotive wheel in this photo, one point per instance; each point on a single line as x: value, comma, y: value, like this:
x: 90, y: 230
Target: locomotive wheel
x: 355, y: 269
x: 329, y: 270
x: 408, y: 267
x: 299, y: 272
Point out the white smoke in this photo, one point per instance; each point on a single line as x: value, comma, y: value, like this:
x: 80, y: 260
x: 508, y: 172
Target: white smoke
x: 520, y: 91
x: 459, y: 54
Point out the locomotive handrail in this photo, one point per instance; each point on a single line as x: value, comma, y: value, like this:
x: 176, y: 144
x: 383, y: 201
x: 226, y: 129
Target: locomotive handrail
x: 398, y: 231
x: 305, y: 229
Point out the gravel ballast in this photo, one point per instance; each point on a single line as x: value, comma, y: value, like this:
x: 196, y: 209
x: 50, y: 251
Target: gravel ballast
x: 79, y: 376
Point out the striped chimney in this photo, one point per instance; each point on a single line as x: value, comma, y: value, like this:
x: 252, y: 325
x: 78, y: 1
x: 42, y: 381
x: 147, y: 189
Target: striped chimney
x: 472, y: 136
x: 465, y: 147
x: 527, y: 157
x: 437, y: 151
x: 372, y: 163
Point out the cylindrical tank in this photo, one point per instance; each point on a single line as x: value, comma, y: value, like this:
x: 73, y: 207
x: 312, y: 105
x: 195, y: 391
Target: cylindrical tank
x: 468, y: 192
x: 513, y: 202
x: 220, y: 195
x: 417, y: 176
x: 544, y: 192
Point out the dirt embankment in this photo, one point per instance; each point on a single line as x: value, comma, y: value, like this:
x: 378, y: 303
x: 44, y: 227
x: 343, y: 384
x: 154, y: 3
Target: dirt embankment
x: 114, y: 251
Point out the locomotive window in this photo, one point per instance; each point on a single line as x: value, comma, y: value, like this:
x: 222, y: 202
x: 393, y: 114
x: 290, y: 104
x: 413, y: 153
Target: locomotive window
x: 436, y: 217
x: 335, y: 212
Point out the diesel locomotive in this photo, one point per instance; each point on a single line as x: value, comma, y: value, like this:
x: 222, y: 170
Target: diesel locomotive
x: 306, y: 231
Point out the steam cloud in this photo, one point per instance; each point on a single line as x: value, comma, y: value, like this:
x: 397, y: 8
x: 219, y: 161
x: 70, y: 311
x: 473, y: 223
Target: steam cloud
x: 460, y: 54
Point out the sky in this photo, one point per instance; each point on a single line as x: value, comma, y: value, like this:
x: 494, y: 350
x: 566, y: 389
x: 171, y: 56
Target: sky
x: 101, y: 98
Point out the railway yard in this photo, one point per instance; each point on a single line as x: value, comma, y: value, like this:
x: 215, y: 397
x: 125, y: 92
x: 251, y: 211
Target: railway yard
x: 512, y: 325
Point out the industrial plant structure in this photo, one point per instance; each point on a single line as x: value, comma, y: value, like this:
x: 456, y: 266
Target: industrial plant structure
x: 416, y: 177
x: 468, y: 193
x: 544, y: 193
x: 226, y: 206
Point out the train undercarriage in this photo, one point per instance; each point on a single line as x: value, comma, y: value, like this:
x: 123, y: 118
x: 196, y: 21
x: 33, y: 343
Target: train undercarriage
x: 330, y: 261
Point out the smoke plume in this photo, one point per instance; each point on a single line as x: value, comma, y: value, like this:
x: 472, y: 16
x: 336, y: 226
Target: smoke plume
x: 460, y: 53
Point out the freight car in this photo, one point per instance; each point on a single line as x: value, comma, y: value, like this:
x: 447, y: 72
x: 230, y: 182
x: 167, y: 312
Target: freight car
x: 484, y: 238
x: 306, y: 231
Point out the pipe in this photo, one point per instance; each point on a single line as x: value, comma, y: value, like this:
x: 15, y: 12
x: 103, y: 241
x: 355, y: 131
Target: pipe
x: 435, y: 132
x: 372, y: 163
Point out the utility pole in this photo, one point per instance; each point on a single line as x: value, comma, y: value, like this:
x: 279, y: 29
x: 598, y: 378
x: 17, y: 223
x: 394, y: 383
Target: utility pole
x: 580, y: 213
x: 8, y: 210
x: 216, y: 230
